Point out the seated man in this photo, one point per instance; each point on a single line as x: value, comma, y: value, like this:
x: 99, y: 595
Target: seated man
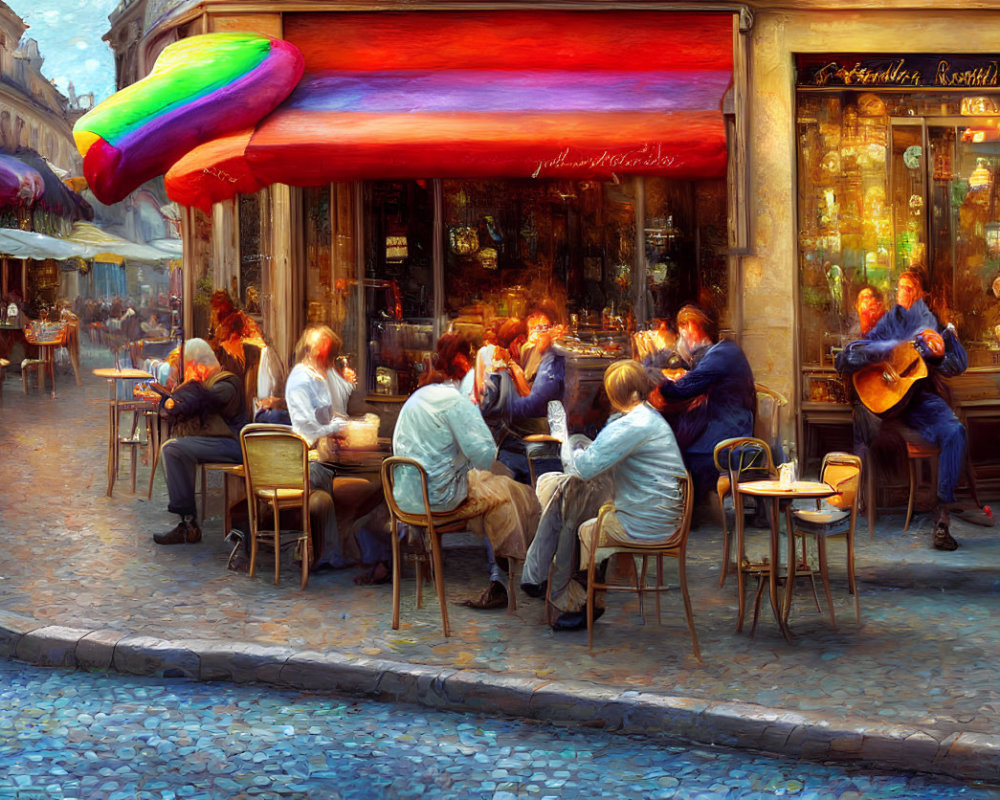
x: 335, y: 503
x: 634, y: 462
x: 207, y: 411
x: 714, y: 400
x: 923, y: 409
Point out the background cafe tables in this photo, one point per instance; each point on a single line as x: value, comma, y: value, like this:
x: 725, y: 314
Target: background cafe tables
x: 115, y: 407
x: 777, y: 493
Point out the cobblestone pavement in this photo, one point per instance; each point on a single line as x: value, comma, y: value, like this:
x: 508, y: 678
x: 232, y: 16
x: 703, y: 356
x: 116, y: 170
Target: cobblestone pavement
x: 915, y: 683
x: 107, y: 737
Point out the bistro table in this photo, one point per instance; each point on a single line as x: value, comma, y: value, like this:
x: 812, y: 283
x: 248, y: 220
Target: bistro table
x: 115, y: 407
x: 776, y: 493
x: 48, y: 339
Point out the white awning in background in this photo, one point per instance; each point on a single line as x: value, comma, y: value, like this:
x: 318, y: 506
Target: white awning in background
x: 16, y: 243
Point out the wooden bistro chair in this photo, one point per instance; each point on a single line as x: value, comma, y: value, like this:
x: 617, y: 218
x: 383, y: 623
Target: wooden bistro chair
x: 673, y: 545
x: 834, y: 517
x: 734, y: 459
x: 429, y: 545
x: 276, y: 470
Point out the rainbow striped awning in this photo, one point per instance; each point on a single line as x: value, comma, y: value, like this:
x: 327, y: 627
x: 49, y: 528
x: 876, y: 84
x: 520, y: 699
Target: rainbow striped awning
x: 471, y: 94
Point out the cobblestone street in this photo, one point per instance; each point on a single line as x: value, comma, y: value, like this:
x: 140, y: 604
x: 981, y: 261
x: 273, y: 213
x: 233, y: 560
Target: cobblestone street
x: 83, y: 584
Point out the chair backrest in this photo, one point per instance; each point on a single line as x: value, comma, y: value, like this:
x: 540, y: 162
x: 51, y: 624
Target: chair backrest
x: 843, y: 472
x: 274, y: 457
x: 767, y: 419
x: 743, y: 454
x: 389, y: 467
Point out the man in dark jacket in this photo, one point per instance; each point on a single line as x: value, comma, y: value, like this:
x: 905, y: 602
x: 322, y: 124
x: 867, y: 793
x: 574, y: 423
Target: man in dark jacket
x: 207, y: 412
x: 718, y: 392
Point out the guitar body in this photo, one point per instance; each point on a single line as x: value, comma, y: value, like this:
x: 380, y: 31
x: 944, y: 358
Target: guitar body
x: 884, y: 386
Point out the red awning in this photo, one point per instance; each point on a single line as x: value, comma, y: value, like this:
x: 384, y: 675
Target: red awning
x: 484, y: 94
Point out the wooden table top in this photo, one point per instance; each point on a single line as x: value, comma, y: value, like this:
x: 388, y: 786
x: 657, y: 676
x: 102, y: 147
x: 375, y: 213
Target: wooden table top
x: 795, y: 489
x: 125, y: 373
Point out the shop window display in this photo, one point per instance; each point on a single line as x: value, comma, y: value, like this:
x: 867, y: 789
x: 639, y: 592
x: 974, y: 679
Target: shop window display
x: 887, y: 180
x: 330, y: 262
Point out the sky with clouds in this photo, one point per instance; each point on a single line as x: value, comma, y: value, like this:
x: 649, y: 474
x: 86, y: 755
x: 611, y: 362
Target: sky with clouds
x: 69, y: 34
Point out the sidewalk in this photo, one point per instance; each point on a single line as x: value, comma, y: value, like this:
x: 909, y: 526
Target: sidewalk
x: 83, y: 585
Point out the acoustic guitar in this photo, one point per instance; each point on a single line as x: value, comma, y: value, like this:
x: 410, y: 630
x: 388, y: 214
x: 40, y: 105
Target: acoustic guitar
x: 884, y: 385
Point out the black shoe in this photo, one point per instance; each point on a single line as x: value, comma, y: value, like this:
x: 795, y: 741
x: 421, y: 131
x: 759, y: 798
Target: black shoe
x: 574, y: 620
x: 535, y: 589
x: 184, y: 532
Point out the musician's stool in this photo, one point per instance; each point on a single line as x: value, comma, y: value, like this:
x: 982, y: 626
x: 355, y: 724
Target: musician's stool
x: 919, y: 454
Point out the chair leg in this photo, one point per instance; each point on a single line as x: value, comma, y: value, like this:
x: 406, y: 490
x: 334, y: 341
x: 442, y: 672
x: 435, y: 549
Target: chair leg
x: 154, y: 445
x: 439, y: 579
x: 277, y: 544
x: 511, y: 585
x: 396, y: 572
x: 591, y: 589
x: 306, y: 540
x: 851, y: 582
x: 725, y: 542
x: 659, y: 585
x: 682, y: 569
x: 912, y: 468
x: 824, y: 574
x: 869, y: 495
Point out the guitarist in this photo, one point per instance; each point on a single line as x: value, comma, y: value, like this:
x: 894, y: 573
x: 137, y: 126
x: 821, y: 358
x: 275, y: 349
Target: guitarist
x: 923, y: 410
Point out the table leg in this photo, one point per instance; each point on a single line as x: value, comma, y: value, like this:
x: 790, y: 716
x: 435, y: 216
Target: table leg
x: 773, y: 572
x: 790, y: 580
x: 50, y: 362
x: 112, y: 444
x: 740, y: 549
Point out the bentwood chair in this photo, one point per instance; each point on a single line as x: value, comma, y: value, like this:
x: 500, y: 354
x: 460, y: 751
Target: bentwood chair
x: 738, y: 459
x: 276, y: 470
x: 672, y: 545
x: 426, y: 549
x: 834, y: 517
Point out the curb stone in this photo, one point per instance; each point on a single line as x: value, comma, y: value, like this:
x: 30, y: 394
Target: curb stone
x: 962, y: 755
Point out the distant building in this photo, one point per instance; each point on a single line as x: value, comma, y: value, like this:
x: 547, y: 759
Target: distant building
x: 33, y: 113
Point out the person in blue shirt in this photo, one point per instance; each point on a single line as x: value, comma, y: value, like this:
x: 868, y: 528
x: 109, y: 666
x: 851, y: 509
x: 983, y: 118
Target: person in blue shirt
x: 716, y: 399
x: 442, y: 428
x: 634, y: 462
x: 926, y: 412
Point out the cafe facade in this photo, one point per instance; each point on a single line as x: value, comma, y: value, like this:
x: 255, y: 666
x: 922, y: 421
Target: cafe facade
x: 766, y: 160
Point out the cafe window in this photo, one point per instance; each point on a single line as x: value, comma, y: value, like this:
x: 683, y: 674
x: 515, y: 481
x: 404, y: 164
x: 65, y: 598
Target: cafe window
x: 330, y: 262
x: 398, y: 283
x: 504, y: 245
x: 889, y: 179
x: 255, y: 259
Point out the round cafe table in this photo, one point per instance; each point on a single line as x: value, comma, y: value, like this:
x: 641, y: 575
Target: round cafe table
x: 775, y: 492
x: 115, y: 407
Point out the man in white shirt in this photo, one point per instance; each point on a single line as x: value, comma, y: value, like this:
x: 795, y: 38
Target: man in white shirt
x: 315, y: 417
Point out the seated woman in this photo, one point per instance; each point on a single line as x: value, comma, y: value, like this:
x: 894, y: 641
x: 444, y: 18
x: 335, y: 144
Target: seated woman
x: 444, y: 431
x: 633, y: 462
x: 516, y: 408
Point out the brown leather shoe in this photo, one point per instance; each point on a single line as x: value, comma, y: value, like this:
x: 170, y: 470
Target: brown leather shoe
x: 493, y: 596
x: 184, y: 532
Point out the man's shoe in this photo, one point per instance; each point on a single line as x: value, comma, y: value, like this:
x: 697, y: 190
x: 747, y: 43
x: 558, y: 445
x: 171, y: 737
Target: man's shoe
x: 493, y: 596
x: 535, y: 589
x: 184, y: 532
x: 574, y: 620
x: 943, y: 540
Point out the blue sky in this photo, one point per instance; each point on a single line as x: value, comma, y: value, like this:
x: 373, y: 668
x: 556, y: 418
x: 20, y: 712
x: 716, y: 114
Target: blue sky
x: 69, y: 34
